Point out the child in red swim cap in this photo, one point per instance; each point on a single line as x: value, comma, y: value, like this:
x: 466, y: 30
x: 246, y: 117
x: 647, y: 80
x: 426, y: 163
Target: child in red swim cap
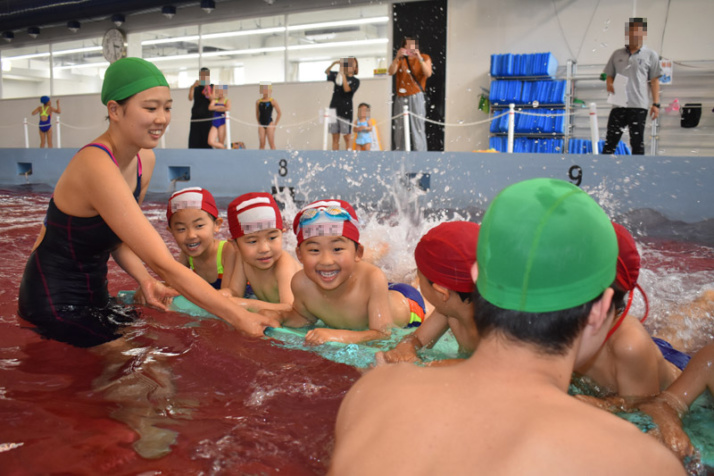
x: 193, y: 220
x: 444, y: 257
x: 352, y: 297
x: 256, y: 227
x: 630, y: 363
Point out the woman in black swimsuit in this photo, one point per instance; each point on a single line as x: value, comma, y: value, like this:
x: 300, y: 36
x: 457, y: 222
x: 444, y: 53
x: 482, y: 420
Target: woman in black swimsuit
x: 94, y: 213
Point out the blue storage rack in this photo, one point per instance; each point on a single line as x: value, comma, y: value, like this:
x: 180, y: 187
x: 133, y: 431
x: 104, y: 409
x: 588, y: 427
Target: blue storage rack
x: 585, y: 146
x: 534, y: 64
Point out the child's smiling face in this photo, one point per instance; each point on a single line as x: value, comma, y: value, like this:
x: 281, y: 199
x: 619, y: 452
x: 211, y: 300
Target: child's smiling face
x: 329, y: 261
x: 194, y: 230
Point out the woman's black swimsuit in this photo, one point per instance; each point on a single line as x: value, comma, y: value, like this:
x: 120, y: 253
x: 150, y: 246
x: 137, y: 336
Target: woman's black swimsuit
x: 64, y: 287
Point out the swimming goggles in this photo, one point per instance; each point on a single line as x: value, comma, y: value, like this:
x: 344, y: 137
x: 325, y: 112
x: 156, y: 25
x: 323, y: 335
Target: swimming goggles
x: 311, y: 215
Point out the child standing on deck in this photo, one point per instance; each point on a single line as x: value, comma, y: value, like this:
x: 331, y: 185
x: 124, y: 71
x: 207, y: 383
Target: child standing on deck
x: 345, y: 87
x: 256, y: 227
x: 220, y: 105
x: 363, y: 141
x: 264, y: 115
x: 444, y: 257
x: 335, y: 285
x: 45, y: 111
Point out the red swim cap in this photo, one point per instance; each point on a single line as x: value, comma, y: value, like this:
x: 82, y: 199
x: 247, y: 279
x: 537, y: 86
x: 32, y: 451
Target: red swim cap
x: 192, y: 197
x: 253, y: 212
x: 446, y: 253
x: 628, y: 259
x: 329, y: 223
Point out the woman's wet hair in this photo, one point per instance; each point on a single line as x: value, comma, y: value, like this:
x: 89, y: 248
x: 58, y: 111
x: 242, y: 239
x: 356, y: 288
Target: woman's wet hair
x: 551, y: 332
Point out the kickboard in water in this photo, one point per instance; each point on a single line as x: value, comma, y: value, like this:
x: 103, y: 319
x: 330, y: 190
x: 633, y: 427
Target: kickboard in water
x: 698, y: 423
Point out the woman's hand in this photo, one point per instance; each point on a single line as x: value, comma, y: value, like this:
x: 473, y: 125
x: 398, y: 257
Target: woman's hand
x: 156, y: 294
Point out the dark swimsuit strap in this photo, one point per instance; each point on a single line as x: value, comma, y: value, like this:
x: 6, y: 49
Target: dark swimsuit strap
x: 137, y: 191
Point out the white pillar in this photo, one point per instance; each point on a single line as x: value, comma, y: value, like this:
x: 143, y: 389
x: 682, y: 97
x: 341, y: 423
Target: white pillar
x: 228, y: 129
x: 326, y: 124
x: 407, y: 131
x: 654, y: 139
x: 27, y: 134
x: 511, y: 126
x: 594, y: 132
x: 59, y: 132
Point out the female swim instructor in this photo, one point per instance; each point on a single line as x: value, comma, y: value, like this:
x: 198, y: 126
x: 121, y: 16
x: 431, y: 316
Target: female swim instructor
x: 94, y: 212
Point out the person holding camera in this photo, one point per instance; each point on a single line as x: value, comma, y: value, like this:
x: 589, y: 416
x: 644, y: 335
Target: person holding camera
x: 346, y: 84
x: 411, y: 69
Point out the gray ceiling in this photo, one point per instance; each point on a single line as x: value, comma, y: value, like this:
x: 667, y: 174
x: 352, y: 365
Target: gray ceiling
x: 51, y: 16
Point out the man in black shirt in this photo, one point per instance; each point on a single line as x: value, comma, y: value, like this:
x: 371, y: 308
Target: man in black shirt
x: 346, y: 84
x: 200, y: 93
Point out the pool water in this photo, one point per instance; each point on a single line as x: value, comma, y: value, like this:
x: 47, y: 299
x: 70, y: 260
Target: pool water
x: 205, y: 399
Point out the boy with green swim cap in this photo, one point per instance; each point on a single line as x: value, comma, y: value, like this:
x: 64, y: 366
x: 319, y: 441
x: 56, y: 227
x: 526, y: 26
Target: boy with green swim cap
x: 546, y: 259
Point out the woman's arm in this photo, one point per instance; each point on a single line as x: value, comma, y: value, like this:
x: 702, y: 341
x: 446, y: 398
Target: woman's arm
x: 329, y: 68
x: 106, y: 190
x: 190, y: 90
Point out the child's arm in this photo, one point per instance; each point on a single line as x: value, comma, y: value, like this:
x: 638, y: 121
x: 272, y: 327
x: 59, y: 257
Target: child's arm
x: 426, y: 335
x: 238, y: 280
x: 227, y: 106
x: 298, y: 315
x: 37, y: 110
x: 277, y: 109
x: 228, y: 259
x: 285, y: 270
x: 57, y: 109
x: 637, y: 367
x: 215, y: 107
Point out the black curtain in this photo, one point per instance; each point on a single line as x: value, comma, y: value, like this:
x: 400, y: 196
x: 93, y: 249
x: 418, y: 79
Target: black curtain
x: 426, y: 20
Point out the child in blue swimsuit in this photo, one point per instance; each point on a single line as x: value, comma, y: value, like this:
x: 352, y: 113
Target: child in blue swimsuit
x: 264, y: 114
x: 362, y: 128
x: 193, y: 221
x: 45, y: 111
x: 220, y: 105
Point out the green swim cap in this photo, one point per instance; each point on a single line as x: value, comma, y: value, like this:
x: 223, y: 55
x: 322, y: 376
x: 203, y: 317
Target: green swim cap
x: 129, y: 76
x: 544, y: 246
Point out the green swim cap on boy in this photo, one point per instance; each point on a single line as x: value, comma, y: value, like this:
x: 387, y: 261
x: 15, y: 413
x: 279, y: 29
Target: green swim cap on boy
x: 129, y: 76
x: 545, y: 245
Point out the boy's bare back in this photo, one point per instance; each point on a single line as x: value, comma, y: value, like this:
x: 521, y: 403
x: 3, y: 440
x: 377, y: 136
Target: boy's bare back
x: 410, y: 420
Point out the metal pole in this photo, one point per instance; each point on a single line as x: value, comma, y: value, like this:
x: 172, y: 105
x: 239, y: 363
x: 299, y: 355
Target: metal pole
x: 27, y: 135
x: 594, y: 133
x: 654, y: 139
x: 59, y: 133
x: 407, y: 131
x: 228, y: 128
x: 511, y: 126
x: 326, y: 120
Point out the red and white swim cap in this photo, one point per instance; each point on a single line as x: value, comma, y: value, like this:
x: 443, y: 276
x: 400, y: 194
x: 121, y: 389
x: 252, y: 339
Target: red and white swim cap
x: 253, y: 212
x: 326, y: 218
x: 192, y: 197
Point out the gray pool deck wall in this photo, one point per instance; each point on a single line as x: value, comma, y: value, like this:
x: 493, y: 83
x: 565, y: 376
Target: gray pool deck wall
x: 678, y: 188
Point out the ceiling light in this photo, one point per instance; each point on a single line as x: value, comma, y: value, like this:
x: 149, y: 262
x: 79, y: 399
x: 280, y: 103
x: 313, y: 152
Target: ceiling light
x: 33, y: 31
x: 118, y: 19
x: 74, y: 26
x: 208, y: 5
x: 8, y: 36
x: 168, y: 11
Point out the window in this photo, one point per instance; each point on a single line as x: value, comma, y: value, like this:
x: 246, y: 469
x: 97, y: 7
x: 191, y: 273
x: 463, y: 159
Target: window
x: 278, y: 48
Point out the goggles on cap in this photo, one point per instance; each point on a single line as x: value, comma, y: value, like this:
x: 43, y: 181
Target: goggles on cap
x: 311, y: 215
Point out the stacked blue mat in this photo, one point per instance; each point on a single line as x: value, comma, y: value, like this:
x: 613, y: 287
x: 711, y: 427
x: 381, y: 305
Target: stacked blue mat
x: 585, y: 146
x: 505, y: 91
x: 539, y: 121
x: 535, y: 64
x: 526, y: 144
